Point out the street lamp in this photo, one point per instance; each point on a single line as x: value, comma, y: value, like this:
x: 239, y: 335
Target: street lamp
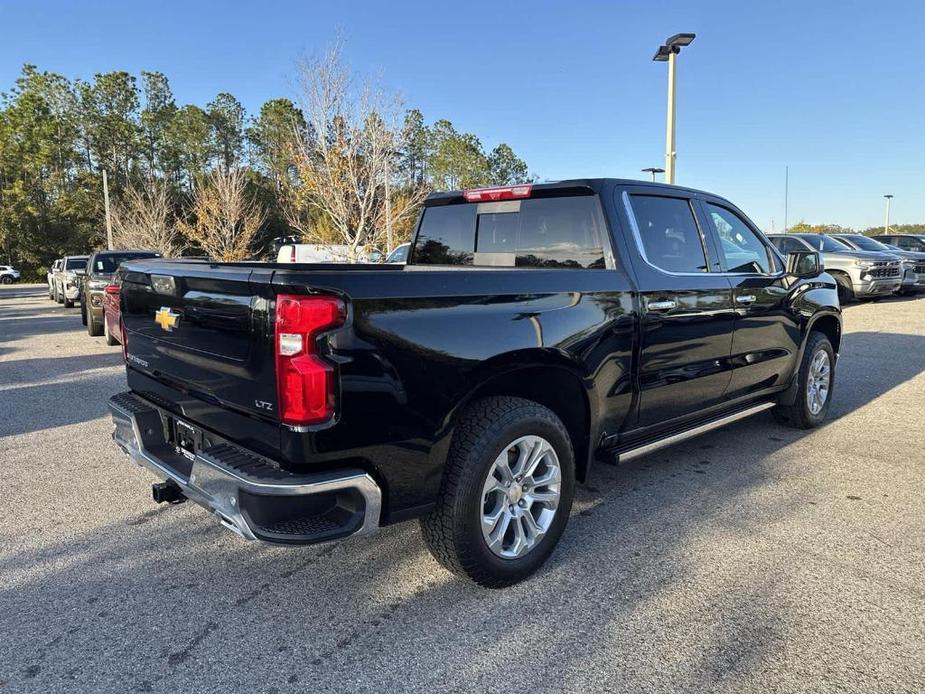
x: 889, y: 199
x: 654, y: 170
x: 667, y: 53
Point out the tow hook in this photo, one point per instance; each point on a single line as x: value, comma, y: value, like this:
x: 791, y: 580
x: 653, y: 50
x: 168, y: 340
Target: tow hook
x: 168, y: 492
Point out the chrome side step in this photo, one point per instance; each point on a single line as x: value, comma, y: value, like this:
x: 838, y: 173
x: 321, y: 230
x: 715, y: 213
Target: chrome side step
x: 647, y: 448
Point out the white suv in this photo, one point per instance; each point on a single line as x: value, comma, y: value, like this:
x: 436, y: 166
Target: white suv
x: 8, y: 275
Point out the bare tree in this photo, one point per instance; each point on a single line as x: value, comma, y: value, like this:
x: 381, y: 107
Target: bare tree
x: 225, y: 217
x: 144, y: 219
x: 343, y: 156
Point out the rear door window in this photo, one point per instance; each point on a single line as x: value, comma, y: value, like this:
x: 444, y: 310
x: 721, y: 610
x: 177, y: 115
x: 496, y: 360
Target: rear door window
x: 557, y: 232
x: 668, y: 233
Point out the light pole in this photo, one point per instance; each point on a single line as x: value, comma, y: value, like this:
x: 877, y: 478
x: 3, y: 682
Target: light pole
x: 889, y: 199
x: 654, y: 170
x: 667, y: 53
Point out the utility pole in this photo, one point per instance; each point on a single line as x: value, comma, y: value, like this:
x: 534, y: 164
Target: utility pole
x: 786, y: 194
x: 106, y: 203
x: 388, y: 208
x: 889, y: 199
x: 668, y: 53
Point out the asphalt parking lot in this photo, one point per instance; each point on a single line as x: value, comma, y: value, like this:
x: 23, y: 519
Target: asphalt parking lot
x: 754, y: 558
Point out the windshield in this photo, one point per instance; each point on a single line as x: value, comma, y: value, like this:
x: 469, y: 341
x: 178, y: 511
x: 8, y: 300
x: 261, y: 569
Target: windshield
x: 107, y: 264
x: 76, y: 264
x: 826, y: 244
x: 867, y: 244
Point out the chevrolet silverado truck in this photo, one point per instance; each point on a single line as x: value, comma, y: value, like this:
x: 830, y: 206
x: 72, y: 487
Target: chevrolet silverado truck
x: 859, y: 274
x: 533, y: 330
x: 913, y: 264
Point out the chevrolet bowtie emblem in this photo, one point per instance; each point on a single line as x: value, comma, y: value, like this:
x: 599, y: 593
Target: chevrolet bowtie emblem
x: 167, y: 319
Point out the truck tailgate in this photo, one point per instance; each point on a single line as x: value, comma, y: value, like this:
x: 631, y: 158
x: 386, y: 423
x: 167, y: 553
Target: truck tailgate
x: 203, y: 329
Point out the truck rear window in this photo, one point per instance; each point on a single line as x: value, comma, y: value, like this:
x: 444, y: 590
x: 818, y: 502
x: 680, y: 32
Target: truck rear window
x: 563, y: 232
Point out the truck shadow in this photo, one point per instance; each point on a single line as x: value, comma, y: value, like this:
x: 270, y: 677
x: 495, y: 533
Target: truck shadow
x: 163, y: 596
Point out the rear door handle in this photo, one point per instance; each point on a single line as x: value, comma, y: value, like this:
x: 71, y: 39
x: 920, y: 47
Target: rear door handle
x: 661, y: 305
x: 746, y: 299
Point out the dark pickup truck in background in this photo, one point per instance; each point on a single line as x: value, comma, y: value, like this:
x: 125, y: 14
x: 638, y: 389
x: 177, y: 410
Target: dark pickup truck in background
x: 533, y: 330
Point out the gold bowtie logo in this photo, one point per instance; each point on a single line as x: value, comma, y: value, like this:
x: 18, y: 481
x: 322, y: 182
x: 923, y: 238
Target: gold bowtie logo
x: 167, y: 319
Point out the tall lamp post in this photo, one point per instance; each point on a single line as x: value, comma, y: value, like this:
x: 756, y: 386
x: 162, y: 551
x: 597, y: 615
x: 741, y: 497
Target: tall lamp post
x: 889, y: 199
x: 654, y: 170
x: 668, y: 52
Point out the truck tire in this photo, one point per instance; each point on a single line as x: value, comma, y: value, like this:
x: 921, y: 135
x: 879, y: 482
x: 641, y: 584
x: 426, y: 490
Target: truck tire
x: 68, y: 303
x: 83, y: 314
x: 110, y: 340
x: 845, y: 290
x: 506, y: 492
x: 94, y: 329
x: 815, y: 383
x: 51, y: 293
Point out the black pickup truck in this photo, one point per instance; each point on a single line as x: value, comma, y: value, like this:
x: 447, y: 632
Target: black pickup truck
x: 533, y: 330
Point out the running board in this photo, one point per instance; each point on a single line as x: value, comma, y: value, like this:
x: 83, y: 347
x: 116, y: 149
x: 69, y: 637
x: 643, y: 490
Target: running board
x: 647, y: 448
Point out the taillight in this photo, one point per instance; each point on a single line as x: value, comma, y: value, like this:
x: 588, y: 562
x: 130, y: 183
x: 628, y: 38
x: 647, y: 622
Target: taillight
x: 112, y: 288
x: 292, y: 254
x: 304, y: 381
x: 498, y: 193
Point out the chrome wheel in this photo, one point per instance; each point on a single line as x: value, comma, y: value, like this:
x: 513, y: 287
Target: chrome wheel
x: 818, y: 381
x: 520, y: 496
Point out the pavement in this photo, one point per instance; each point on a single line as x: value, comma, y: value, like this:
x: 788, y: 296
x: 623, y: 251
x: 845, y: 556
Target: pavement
x: 755, y: 558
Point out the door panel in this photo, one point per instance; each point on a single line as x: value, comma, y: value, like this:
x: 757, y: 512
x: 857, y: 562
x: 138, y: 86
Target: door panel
x: 687, y: 312
x: 767, y: 337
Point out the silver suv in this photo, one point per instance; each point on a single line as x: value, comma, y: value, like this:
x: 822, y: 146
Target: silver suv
x: 860, y: 274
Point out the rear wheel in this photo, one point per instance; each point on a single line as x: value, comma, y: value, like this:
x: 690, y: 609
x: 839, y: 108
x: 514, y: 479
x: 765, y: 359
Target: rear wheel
x: 815, y: 382
x: 68, y: 303
x: 83, y: 313
x: 6, y: 279
x: 506, y: 493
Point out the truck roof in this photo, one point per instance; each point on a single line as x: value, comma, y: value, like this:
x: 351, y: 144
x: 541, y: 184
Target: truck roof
x: 577, y: 186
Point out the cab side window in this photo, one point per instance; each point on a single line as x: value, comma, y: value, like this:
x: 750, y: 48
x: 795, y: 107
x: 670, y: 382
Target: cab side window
x: 743, y: 250
x: 668, y: 233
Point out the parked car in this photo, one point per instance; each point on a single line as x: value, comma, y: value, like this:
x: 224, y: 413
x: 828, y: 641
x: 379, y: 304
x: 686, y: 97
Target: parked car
x: 8, y: 274
x: 913, y: 264
x: 860, y: 274
x: 100, y: 269
x: 112, y: 322
x: 399, y: 254
x: 320, y: 253
x: 907, y: 242
x: 67, y: 279
x: 52, y: 278
x: 475, y: 385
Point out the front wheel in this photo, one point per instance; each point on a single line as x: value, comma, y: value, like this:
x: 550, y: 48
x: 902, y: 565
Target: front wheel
x: 110, y: 340
x: 815, y: 382
x: 506, y: 492
x: 845, y: 290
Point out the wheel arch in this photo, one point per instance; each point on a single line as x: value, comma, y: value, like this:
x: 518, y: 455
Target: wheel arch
x: 548, y: 378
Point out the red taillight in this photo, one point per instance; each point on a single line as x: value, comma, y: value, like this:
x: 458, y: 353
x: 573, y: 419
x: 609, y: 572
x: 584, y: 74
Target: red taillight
x: 499, y: 193
x: 292, y: 254
x: 304, y: 381
x: 112, y: 289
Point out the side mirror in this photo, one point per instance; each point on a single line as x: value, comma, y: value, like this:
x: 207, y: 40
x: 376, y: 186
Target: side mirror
x: 804, y: 264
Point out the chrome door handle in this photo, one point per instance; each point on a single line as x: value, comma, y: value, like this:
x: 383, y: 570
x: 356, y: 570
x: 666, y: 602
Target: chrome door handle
x: 746, y: 299
x: 661, y: 305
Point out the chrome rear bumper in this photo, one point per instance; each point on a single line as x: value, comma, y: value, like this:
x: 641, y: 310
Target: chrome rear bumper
x: 250, y: 495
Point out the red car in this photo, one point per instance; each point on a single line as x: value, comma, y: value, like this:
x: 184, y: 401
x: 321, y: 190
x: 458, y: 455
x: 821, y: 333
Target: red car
x: 112, y: 322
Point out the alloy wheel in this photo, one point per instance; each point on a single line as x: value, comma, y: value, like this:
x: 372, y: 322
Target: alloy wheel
x: 520, y: 496
x: 818, y: 381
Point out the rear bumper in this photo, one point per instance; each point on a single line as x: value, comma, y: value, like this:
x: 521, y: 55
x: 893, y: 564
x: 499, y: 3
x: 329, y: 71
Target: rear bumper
x: 250, y: 495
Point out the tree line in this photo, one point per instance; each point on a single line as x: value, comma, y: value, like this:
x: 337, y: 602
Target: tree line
x: 805, y: 228
x: 343, y: 162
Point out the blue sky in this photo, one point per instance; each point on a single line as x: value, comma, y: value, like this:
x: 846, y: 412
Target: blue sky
x: 835, y: 90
